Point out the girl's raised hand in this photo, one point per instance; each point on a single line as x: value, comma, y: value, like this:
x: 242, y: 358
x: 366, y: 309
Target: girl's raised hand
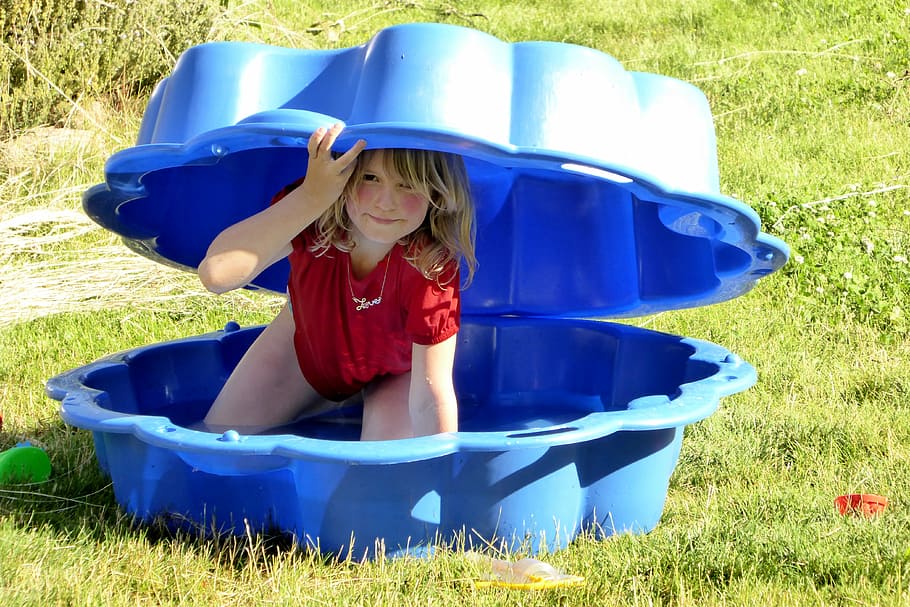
x: 327, y: 175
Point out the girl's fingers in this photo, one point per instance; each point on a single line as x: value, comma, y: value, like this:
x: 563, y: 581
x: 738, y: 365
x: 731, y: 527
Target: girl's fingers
x: 328, y: 139
x: 312, y: 145
x: 346, y: 160
x: 322, y: 139
x: 321, y: 142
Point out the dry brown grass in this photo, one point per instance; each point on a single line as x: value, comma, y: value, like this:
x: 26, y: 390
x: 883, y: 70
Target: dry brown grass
x: 53, y: 258
x: 45, y: 271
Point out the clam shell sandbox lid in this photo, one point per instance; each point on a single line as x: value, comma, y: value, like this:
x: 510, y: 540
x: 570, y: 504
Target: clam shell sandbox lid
x: 597, y: 195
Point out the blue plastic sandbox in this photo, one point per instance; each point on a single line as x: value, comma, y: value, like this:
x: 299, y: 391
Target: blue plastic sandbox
x: 597, y: 196
x: 566, y: 425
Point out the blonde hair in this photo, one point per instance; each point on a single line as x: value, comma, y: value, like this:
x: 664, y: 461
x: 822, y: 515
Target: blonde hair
x: 447, y: 233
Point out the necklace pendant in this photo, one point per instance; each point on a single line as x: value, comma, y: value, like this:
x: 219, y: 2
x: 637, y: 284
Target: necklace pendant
x: 363, y: 303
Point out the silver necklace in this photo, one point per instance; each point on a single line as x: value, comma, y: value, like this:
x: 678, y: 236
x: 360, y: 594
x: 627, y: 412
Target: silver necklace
x: 362, y: 303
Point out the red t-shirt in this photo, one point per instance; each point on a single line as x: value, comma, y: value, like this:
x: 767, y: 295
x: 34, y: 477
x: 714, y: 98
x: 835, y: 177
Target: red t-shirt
x: 339, y: 348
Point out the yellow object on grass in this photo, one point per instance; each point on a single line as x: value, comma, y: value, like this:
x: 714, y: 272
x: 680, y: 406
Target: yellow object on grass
x: 523, y: 574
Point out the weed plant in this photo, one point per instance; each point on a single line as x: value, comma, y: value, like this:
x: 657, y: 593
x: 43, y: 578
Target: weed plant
x: 61, y: 53
x: 811, y: 101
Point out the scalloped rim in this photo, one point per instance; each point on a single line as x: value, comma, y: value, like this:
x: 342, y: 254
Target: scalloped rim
x: 289, y: 126
x: 80, y: 407
x: 768, y: 252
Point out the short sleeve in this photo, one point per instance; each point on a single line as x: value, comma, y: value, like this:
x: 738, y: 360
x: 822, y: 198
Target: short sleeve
x: 434, y: 313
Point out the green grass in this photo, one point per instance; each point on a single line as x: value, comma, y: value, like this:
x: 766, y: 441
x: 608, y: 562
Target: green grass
x: 812, y: 107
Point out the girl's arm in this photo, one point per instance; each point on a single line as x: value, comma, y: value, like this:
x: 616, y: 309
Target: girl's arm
x: 243, y: 250
x: 431, y: 399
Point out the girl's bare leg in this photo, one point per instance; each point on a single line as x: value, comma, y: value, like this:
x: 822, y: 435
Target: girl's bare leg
x: 385, y: 409
x: 267, y: 388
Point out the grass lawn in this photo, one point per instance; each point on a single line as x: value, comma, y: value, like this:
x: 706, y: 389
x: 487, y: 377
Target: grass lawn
x: 811, y: 101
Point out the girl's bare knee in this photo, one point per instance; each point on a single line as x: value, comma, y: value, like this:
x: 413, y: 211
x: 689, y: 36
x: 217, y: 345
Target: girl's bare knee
x: 385, y: 409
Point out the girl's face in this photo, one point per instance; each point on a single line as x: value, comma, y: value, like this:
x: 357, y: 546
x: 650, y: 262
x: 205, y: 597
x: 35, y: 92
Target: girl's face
x: 383, y: 209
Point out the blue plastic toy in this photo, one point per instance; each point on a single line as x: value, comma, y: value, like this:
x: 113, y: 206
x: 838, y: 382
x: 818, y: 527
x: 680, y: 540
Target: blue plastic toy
x: 597, y: 196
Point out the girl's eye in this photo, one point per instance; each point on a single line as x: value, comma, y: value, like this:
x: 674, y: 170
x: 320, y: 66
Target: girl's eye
x: 370, y: 177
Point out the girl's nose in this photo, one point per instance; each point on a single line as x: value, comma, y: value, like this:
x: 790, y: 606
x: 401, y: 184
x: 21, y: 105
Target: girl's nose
x: 386, y: 198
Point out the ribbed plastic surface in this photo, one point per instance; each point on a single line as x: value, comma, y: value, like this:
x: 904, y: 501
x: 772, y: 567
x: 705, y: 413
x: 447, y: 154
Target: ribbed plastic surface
x: 597, y: 188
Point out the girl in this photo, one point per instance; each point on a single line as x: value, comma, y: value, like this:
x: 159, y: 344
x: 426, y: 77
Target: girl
x: 374, y: 240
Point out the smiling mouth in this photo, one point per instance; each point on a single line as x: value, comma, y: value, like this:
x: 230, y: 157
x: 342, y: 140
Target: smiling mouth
x: 382, y: 220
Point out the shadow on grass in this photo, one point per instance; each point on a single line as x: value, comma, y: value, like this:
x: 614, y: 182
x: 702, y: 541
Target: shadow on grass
x: 77, y: 495
x: 78, y: 501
